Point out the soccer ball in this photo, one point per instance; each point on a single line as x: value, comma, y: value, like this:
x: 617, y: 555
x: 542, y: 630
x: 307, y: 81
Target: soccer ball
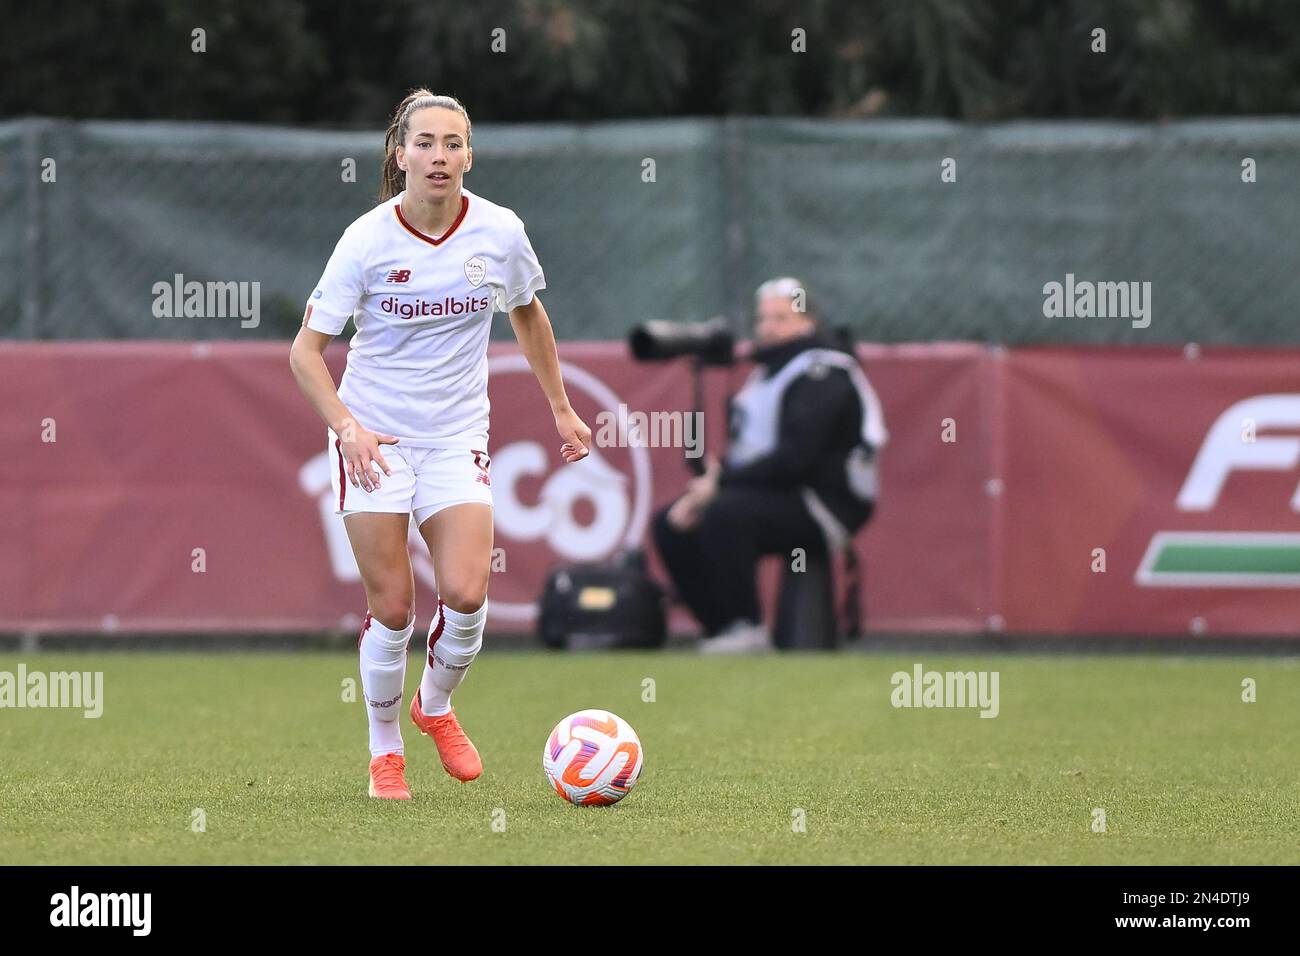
x: 592, y: 758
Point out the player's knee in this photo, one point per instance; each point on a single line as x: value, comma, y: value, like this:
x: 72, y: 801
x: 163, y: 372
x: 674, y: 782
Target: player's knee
x: 394, y: 609
x: 465, y: 595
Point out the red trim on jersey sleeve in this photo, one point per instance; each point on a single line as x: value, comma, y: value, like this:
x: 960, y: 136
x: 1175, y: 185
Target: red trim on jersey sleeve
x: 464, y: 208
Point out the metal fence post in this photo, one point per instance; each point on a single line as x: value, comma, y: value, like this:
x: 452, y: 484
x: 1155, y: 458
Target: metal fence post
x: 31, y: 160
x: 733, y: 224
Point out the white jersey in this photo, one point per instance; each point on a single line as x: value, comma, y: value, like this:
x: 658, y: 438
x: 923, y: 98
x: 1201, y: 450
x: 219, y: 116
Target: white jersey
x: 423, y: 308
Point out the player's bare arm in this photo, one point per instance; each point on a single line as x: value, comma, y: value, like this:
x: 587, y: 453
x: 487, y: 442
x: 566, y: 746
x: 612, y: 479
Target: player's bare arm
x: 537, y: 341
x: 360, y: 446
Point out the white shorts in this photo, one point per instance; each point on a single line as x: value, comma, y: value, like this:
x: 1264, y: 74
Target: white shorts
x: 423, y: 480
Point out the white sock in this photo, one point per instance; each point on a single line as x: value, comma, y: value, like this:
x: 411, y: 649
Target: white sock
x: 454, y: 641
x: 383, y: 671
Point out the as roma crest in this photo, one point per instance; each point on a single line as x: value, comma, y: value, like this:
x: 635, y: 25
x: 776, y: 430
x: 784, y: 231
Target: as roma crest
x: 475, y: 270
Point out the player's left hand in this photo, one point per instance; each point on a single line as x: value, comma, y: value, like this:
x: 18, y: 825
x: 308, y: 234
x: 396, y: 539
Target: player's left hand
x: 576, y: 435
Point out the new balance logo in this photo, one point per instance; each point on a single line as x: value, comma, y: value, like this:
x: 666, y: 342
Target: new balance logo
x: 483, y: 461
x: 399, y: 275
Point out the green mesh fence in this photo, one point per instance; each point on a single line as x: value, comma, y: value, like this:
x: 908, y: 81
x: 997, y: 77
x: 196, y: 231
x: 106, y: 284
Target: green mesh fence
x: 859, y: 210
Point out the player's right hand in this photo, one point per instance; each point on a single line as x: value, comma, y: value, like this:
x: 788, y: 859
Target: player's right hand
x: 361, y: 452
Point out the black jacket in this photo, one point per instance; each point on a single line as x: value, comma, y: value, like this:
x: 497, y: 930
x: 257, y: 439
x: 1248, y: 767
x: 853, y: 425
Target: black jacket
x: 821, y: 443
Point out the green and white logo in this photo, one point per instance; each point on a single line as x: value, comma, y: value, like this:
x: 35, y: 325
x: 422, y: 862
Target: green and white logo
x: 1242, y: 559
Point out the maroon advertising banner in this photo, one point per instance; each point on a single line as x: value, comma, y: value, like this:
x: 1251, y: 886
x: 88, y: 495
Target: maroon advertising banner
x: 185, y: 487
x: 1150, y: 491
x: 177, y: 486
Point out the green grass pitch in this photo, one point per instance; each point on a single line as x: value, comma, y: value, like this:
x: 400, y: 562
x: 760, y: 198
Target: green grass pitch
x: 737, y: 752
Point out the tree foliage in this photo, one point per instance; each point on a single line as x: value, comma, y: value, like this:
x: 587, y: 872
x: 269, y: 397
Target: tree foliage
x: 346, y: 64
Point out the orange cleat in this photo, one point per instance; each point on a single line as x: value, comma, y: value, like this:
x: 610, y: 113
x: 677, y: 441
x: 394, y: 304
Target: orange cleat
x: 459, y: 758
x: 388, y: 778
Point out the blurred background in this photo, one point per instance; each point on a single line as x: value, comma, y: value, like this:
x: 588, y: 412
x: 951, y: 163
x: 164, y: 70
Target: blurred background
x: 226, y: 163
x: 926, y: 166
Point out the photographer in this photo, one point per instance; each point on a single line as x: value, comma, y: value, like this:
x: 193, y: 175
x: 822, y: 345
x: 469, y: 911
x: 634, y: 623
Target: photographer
x: 800, y: 472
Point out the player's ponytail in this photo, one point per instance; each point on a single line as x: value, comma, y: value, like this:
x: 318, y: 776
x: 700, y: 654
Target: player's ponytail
x: 392, y: 180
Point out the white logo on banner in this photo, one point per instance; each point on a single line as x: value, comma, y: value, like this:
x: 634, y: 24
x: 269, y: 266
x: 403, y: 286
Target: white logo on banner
x: 1225, y: 450
x: 1224, y: 557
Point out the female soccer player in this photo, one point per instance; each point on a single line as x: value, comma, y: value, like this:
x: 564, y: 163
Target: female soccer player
x: 421, y: 275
